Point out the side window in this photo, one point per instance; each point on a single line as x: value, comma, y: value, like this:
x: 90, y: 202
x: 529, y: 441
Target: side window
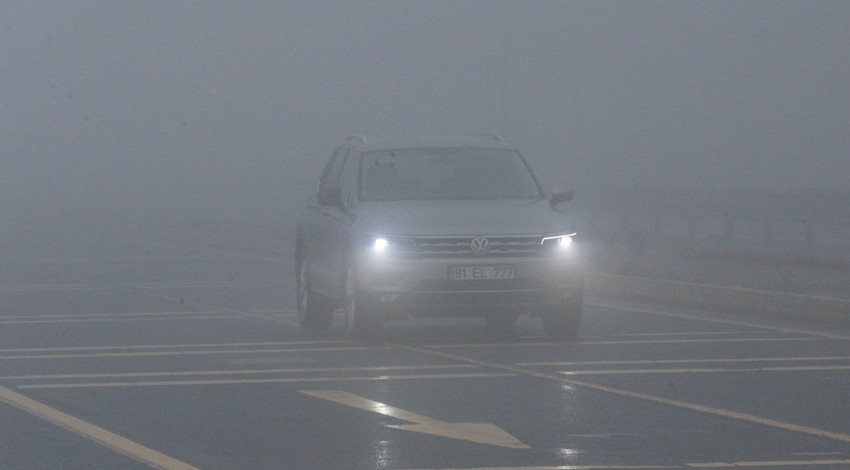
x: 330, y: 177
x: 348, y: 178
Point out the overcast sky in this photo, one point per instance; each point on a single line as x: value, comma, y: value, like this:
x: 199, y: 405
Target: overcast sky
x: 233, y: 107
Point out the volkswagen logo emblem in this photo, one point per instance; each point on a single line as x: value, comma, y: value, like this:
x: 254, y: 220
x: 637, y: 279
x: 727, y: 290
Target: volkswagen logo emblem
x: 480, y: 246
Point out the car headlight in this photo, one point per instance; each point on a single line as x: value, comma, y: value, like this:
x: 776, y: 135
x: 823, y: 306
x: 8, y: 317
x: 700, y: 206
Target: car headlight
x: 558, y: 243
x: 380, y: 245
x: 383, y: 245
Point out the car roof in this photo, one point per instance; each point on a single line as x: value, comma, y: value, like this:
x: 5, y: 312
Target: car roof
x: 401, y: 142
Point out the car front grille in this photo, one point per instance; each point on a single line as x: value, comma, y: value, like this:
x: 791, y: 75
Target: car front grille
x: 460, y: 247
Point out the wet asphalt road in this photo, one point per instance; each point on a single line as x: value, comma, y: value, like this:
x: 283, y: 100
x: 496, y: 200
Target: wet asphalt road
x: 129, y: 346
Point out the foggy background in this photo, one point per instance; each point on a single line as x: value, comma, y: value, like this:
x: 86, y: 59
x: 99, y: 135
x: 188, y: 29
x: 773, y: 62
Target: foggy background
x: 228, y: 110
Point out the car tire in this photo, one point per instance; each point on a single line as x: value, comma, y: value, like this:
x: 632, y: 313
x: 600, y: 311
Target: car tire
x: 563, y: 321
x: 362, y: 318
x: 315, y: 311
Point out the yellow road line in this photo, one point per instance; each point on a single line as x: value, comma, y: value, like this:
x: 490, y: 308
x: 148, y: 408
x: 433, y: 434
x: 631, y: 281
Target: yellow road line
x: 187, y: 353
x: 717, y: 412
x: 774, y: 463
x: 641, y: 396
x: 719, y: 321
x: 150, y: 285
x: 116, y: 319
x: 622, y: 342
x: 234, y: 372
x: 689, y: 361
x: 94, y: 433
x: 571, y: 467
x: 693, y: 333
x: 254, y: 283
x: 754, y: 464
x: 203, y: 305
x: 171, y: 383
x: 53, y: 288
x: 701, y: 370
x: 104, y: 315
x: 174, y: 346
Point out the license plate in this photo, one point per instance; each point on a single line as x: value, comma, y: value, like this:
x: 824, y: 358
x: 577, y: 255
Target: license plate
x: 470, y: 273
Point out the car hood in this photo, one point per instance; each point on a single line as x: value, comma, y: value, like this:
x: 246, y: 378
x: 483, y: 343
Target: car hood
x: 472, y: 217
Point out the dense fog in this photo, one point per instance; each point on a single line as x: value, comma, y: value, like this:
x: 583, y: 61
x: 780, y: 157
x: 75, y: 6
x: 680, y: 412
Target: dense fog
x: 228, y: 110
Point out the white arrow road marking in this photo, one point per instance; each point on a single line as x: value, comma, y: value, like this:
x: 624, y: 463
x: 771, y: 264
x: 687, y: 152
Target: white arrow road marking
x: 482, y: 433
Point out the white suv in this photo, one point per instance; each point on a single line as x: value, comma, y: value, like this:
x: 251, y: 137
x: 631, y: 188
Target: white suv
x: 435, y: 227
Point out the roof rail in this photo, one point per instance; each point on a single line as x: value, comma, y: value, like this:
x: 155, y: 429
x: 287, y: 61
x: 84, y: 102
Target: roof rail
x: 495, y: 137
x: 360, y: 137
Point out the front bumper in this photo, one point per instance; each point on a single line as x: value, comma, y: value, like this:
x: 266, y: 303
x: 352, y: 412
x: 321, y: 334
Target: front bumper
x: 421, y: 287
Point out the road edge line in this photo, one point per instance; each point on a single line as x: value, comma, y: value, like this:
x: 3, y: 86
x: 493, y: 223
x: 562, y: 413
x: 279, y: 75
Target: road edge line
x: 92, y: 432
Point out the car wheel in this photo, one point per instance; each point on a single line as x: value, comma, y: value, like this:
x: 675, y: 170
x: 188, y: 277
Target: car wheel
x: 315, y: 312
x: 563, y: 321
x: 362, y: 318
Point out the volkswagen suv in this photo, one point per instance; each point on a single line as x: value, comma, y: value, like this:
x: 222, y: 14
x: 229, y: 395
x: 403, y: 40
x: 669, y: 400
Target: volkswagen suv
x: 435, y: 227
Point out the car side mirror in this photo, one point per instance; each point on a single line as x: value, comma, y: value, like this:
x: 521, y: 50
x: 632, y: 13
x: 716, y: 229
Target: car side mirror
x: 561, y: 197
x: 330, y: 197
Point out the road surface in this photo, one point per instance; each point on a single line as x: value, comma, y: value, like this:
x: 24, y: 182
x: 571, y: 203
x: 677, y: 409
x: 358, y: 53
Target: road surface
x: 139, y: 346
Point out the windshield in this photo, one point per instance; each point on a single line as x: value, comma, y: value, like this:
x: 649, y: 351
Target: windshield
x: 445, y: 173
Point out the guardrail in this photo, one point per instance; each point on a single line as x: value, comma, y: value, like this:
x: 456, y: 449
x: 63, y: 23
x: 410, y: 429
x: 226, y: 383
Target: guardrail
x: 612, y: 226
x: 807, y: 218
